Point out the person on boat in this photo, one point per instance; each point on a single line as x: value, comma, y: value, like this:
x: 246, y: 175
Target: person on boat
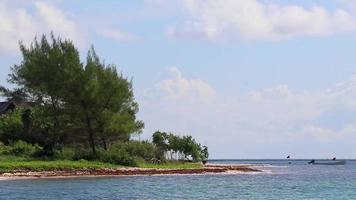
x: 288, y: 157
x: 311, y: 162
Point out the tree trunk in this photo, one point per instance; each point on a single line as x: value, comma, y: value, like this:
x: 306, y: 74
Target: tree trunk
x: 104, y: 143
x: 91, y: 137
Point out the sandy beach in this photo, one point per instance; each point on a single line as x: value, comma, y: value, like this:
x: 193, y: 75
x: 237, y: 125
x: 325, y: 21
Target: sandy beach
x: 128, y: 171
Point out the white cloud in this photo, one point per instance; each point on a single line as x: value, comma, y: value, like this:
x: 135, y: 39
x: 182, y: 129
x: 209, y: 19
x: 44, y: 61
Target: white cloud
x: 254, y: 20
x: 21, y: 24
x: 268, y: 122
x: 182, y: 89
x: 349, y: 3
x: 56, y: 20
x: 118, y: 35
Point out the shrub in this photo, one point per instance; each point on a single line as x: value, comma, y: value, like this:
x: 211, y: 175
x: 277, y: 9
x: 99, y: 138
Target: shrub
x: 4, y: 150
x: 118, y: 156
x: 21, y: 148
x: 66, y: 153
x: 82, y: 153
x: 11, y: 126
x: 141, y: 149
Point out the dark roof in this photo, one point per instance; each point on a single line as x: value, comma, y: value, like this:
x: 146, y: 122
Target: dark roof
x: 4, y: 106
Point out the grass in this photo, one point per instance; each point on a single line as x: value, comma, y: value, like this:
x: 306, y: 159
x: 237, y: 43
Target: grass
x: 12, y: 163
x: 171, y: 165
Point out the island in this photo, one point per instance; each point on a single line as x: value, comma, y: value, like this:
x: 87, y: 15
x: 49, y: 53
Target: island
x: 65, y: 117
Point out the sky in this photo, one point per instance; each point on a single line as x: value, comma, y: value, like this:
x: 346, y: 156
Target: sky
x: 247, y: 78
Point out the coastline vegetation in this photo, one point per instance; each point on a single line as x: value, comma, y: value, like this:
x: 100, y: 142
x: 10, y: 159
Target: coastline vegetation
x: 73, y: 114
x: 15, y: 163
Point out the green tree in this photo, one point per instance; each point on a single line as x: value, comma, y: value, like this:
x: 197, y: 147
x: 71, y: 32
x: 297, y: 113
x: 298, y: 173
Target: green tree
x: 104, y: 105
x: 184, y: 147
x: 174, y: 143
x: 204, y: 153
x: 76, y: 103
x: 46, y: 74
x: 159, y: 139
x: 191, y: 148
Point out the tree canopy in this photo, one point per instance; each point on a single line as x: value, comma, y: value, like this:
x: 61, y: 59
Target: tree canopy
x: 178, y: 147
x: 74, y: 102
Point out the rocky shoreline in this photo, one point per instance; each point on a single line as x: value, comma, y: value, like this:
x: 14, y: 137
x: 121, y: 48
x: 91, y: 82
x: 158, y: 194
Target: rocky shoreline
x: 130, y: 171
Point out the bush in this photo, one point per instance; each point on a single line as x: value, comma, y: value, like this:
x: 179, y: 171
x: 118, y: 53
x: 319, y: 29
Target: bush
x: 11, y: 126
x: 4, y: 150
x: 140, y: 149
x: 118, y: 156
x: 67, y: 153
x: 115, y: 155
x: 81, y: 153
x: 127, y: 153
x: 21, y: 148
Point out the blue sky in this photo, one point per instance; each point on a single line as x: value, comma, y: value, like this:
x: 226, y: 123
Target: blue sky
x: 249, y: 78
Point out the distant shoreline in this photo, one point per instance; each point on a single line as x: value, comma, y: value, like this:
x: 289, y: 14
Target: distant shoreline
x: 129, y: 171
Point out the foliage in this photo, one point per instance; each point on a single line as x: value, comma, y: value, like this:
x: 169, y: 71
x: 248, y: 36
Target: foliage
x: 32, y: 126
x: 21, y: 148
x: 8, y: 164
x: 73, y: 109
x: 141, y: 149
x: 103, y: 105
x: 11, y: 126
x: 4, y: 149
x: 66, y: 153
x: 159, y: 139
x: 179, y: 147
x: 47, y: 73
x: 11, y: 163
x: 81, y: 153
x: 117, y: 156
x: 128, y: 153
x: 73, y: 102
x: 204, y: 154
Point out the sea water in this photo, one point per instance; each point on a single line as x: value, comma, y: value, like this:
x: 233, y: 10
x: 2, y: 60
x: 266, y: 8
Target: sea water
x: 280, y: 180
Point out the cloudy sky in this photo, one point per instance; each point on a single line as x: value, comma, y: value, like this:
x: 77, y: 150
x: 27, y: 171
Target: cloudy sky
x: 248, y: 78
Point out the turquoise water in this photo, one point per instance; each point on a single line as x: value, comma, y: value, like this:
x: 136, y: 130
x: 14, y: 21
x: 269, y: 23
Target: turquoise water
x: 280, y: 181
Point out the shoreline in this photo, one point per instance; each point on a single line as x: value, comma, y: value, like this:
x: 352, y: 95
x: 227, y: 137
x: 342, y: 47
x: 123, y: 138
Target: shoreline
x: 129, y: 171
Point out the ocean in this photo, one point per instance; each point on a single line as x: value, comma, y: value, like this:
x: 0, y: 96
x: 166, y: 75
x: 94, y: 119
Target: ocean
x: 279, y: 180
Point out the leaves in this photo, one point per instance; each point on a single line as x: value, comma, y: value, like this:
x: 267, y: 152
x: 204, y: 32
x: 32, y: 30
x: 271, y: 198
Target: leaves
x: 75, y: 100
x: 181, y: 146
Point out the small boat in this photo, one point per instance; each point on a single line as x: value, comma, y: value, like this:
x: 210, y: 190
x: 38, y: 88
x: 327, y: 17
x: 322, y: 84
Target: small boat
x: 327, y: 162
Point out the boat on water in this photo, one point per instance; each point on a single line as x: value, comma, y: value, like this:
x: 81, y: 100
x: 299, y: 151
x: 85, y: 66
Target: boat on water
x: 327, y: 162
